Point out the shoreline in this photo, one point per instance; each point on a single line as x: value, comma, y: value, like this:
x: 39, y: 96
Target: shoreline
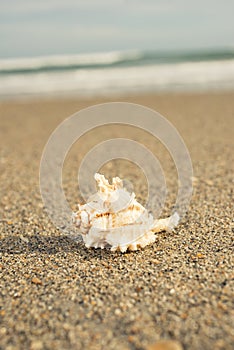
x: 114, y: 95
x: 138, y: 98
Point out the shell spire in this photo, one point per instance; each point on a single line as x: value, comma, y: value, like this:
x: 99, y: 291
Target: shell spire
x: 114, y: 218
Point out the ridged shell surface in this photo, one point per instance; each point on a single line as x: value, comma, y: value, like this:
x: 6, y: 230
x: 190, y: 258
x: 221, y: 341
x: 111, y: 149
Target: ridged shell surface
x: 114, y: 218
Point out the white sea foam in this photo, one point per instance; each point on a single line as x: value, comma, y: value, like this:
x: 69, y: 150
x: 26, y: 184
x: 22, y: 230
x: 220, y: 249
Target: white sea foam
x: 185, y: 76
x: 66, y: 61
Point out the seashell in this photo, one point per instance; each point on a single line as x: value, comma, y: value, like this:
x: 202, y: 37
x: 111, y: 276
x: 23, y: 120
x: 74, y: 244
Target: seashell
x: 114, y: 218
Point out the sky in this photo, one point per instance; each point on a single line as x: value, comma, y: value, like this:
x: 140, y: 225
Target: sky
x: 51, y: 27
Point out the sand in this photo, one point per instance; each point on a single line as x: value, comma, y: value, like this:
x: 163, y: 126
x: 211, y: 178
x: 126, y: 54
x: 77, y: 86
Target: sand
x: 56, y: 294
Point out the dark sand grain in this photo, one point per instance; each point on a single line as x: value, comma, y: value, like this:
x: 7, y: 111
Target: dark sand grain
x: 56, y: 294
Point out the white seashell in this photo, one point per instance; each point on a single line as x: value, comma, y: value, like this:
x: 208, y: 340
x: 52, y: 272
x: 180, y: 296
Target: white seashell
x: 114, y: 218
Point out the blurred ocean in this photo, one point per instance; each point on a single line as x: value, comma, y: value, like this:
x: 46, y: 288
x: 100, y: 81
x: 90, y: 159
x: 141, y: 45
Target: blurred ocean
x: 116, y: 73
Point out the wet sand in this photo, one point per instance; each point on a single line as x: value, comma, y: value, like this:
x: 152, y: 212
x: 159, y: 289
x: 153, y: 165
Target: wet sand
x: 55, y: 293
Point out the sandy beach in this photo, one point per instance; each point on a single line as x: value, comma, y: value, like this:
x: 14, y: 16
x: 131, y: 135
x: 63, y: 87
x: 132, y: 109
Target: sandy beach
x: 57, y: 294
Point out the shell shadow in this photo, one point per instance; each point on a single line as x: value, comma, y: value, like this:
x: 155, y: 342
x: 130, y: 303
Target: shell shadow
x: 15, y: 245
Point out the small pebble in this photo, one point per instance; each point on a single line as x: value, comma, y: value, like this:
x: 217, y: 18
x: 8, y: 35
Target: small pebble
x: 36, y: 280
x: 165, y: 345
